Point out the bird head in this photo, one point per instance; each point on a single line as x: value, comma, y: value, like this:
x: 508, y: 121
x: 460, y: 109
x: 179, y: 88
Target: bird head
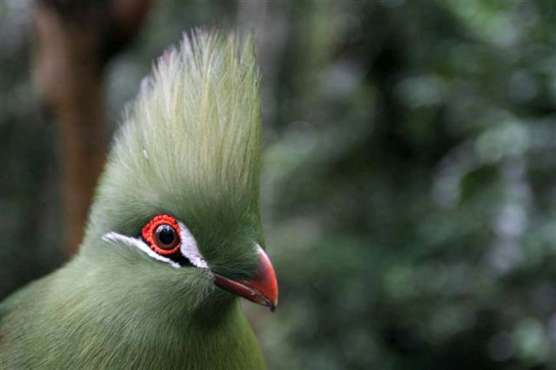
x: 180, y: 193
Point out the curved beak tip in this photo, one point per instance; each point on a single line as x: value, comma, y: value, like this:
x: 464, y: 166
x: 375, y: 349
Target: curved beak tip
x: 261, y: 288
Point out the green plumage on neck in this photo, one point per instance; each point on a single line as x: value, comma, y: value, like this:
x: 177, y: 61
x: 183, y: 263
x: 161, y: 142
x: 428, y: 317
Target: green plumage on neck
x: 189, y: 147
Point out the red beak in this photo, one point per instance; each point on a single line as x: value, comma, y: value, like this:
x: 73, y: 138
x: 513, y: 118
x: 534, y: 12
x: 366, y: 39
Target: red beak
x: 262, y: 288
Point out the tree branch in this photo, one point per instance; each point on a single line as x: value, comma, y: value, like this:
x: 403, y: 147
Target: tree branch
x: 74, y: 42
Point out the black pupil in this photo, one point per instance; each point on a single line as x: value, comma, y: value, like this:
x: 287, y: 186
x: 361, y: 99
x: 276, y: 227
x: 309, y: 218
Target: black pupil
x: 166, y: 235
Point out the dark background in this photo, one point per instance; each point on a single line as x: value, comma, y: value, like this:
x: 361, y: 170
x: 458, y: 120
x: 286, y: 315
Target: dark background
x: 409, y: 182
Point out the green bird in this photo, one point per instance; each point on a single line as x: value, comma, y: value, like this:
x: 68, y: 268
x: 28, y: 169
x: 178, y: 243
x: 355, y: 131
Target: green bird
x: 174, y: 235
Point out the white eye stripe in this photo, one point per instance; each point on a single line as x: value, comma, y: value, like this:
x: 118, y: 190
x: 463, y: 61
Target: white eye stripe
x: 189, y: 248
x: 115, y: 238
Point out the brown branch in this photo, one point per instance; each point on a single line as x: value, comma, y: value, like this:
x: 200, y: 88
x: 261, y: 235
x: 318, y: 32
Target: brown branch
x: 74, y: 41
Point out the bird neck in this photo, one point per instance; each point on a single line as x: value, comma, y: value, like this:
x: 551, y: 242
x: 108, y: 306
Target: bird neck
x: 145, y: 324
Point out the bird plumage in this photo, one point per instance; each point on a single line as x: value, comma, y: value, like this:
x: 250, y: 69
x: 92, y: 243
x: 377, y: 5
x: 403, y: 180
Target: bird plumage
x: 189, y: 147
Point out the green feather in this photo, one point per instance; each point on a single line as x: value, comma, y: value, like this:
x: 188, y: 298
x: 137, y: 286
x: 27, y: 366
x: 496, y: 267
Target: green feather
x: 190, y: 146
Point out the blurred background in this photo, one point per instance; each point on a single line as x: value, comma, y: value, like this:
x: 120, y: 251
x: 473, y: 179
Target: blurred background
x: 409, y: 183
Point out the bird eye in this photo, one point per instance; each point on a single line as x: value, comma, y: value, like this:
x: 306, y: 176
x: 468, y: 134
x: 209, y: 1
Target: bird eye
x: 161, y: 234
x: 165, y: 237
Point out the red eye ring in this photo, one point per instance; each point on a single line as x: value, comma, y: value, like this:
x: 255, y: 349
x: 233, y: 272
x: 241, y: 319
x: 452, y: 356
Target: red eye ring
x: 151, y: 234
